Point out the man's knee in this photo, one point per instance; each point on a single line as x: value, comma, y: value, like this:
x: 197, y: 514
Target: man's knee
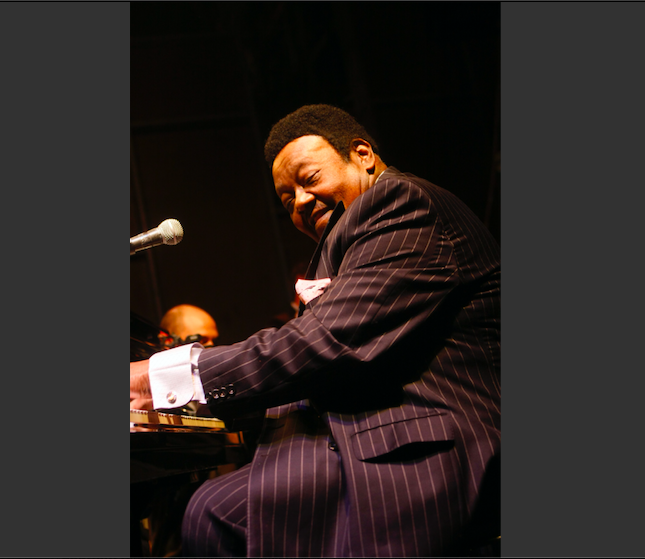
x: 215, y: 519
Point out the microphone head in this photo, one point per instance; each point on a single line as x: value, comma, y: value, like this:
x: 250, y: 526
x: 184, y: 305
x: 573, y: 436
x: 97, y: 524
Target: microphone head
x: 172, y: 232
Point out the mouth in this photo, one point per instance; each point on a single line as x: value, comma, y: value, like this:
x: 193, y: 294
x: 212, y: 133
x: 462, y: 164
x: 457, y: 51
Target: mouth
x: 315, y: 219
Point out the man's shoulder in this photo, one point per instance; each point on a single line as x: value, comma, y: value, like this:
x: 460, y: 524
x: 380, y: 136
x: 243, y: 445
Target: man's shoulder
x: 393, y: 175
x: 441, y: 199
x: 395, y: 197
x: 453, y: 212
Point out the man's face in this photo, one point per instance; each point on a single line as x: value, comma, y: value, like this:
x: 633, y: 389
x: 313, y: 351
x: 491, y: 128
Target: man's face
x: 311, y: 177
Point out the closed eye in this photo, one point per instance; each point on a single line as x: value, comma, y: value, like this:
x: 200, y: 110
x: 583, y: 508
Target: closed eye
x: 311, y: 179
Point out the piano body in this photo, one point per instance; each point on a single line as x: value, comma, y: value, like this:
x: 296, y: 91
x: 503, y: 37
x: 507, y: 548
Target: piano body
x: 170, y: 456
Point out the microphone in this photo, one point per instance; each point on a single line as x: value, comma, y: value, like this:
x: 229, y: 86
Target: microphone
x: 168, y: 232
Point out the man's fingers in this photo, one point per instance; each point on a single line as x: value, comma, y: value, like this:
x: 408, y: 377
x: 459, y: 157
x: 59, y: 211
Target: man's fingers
x: 139, y: 380
x: 141, y: 404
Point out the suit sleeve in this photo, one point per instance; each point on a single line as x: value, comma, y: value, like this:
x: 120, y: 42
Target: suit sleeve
x: 391, y: 265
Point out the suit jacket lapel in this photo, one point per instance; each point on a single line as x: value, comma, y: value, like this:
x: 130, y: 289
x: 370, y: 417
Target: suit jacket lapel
x: 313, y: 264
x: 339, y: 210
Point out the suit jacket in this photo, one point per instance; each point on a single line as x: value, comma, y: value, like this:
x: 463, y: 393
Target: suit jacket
x: 384, y: 394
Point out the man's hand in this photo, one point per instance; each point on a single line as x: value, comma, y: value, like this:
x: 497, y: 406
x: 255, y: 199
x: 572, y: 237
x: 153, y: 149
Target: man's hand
x: 140, y: 397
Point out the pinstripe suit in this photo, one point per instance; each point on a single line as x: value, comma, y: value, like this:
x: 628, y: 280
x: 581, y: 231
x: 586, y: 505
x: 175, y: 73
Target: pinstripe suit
x: 384, y: 392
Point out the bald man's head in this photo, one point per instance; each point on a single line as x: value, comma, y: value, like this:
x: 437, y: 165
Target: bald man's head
x: 183, y: 321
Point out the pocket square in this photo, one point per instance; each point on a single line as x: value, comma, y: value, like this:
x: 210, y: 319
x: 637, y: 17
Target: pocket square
x: 310, y: 289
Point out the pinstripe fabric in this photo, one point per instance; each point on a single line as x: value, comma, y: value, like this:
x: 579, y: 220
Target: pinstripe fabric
x: 223, y: 522
x: 385, y: 392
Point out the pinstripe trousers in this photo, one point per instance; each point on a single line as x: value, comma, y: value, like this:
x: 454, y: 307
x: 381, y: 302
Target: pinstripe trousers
x: 290, y: 470
x: 215, y: 520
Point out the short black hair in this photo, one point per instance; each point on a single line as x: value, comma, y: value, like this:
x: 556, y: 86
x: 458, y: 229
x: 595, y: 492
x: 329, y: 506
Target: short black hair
x: 335, y: 125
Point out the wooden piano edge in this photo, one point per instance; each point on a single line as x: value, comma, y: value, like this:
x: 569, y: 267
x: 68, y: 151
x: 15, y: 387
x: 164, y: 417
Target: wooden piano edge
x: 144, y: 420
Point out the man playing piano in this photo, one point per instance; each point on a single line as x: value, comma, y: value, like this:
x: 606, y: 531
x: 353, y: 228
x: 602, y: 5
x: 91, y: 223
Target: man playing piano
x: 382, y: 428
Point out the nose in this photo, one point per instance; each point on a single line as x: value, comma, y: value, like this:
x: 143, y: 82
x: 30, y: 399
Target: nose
x: 302, y: 199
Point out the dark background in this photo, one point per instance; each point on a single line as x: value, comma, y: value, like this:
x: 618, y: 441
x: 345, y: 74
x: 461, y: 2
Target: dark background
x: 209, y: 79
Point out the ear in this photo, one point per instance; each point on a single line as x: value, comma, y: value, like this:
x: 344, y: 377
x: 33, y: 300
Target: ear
x: 361, y: 152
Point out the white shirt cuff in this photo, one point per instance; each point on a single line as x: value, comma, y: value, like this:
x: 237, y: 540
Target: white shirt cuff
x: 174, y: 377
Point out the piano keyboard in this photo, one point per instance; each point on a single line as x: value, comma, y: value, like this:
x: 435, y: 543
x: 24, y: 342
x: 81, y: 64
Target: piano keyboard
x: 145, y: 417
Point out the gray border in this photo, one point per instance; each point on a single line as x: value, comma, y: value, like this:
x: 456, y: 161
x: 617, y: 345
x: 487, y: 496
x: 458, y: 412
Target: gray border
x: 65, y: 179
x: 572, y: 147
